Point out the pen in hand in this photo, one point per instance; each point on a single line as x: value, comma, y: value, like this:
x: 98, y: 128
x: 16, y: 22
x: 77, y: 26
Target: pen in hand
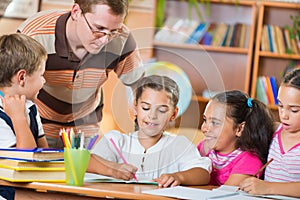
x: 121, y: 156
x: 260, y: 170
x: 263, y: 167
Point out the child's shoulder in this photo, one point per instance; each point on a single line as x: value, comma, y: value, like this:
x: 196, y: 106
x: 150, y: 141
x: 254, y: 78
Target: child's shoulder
x: 176, y: 138
x: 117, y: 135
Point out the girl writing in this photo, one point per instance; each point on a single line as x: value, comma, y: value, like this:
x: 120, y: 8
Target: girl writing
x: 156, y: 154
x: 238, y: 131
x: 282, y: 175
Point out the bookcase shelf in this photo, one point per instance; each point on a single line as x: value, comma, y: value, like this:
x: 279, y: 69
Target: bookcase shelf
x: 203, y: 47
x: 213, y: 68
x: 281, y: 56
x: 270, y: 63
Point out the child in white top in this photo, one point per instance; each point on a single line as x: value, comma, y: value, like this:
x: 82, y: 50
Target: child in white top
x: 282, y: 175
x: 168, y: 159
x: 22, y: 66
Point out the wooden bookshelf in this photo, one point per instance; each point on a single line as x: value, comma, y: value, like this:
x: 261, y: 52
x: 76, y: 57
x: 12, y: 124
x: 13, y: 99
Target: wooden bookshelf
x: 269, y: 63
x: 215, y: 68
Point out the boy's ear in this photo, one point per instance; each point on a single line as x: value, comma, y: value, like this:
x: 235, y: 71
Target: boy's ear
x: 21, y: 76
x: 240, y: 129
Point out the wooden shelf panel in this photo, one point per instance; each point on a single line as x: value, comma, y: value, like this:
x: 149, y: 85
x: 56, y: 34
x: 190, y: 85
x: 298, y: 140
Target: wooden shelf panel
x: 277, y: 55
x: 199, y: 47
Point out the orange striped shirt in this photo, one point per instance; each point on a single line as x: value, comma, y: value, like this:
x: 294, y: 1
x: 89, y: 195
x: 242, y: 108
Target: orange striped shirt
x: 72, y: 95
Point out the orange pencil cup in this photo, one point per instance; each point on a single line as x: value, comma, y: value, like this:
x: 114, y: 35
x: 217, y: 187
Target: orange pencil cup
x: 76, y: 162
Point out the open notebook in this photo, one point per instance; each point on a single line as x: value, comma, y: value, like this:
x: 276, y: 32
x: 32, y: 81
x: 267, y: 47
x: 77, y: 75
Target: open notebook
x: 90, y: 177
x: 223, y: 192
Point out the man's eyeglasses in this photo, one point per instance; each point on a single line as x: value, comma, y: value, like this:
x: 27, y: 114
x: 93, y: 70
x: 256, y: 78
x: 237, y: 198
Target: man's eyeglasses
x: 100, y: 34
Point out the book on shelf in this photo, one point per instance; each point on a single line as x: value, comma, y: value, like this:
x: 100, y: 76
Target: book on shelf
x: 237, y: 35
x: 163, y: 34
x: 224, y: 39
x: 25, y: 175
x: 208, y: 35
x: 260, y: 90
x: 274, y: 89
x: 269, y: 90
x: 244, y: 37
x: 19, y: 165
x: 176, y: 30
x: 229, y: 36
x: 219, y: 35
x: 273, y: 39
x: 270, y: 38
x: 184, y: 31
x: 197, y: 34
x: 266, y: 90
x: 294, y: 46
x: 279, y: 40
x: 287, y: 39
x: 265, y: 39
x: 36, y: 154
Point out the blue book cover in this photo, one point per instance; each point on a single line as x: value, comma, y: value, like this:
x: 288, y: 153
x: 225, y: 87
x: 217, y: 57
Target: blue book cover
x: 197, y: 34
x: 226, y: 35
x: 36, y: 154
x: 233, y: 35
x: 207, y: 39
x: 270, y: 38
x: 274, y: 89
x: 34, y: 150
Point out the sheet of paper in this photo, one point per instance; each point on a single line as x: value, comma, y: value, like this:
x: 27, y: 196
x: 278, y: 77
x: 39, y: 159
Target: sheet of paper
x: 244, y: 194
x: 189, y: 193
x: 90, y: 177
x: 221, y: 193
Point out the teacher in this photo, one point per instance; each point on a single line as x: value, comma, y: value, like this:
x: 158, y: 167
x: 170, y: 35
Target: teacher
x: 84, y: 45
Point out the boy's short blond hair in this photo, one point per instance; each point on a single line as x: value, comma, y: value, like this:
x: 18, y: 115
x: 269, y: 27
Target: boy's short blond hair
x: 18, y: 51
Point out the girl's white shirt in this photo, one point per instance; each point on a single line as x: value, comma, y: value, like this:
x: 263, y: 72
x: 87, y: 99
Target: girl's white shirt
x: 172, y: 153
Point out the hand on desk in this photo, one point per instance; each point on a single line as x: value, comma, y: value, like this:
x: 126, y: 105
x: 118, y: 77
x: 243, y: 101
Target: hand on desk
x: 167, y: 180
x: 254, y: 185
x: 104, y: 167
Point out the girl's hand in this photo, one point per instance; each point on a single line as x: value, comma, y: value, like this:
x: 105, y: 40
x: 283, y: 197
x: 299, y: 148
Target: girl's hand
x: 254, y: 186
x: 168, y: 180
x: 124, y: 171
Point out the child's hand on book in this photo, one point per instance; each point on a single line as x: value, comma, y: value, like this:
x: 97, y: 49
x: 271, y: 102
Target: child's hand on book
x: 168, y: 180
x: 124, y: 171
x: 254, y: 185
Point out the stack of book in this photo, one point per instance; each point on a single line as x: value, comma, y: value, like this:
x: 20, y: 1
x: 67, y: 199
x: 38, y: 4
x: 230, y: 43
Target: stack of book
x: 186, y: 31
x: 279, y: 40
x: 266, y: 90
x: 28, y: 165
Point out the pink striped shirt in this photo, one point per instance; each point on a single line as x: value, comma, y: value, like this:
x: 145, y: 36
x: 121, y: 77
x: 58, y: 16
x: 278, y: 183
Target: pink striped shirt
x: 286, y: 165
x: 236, y: 162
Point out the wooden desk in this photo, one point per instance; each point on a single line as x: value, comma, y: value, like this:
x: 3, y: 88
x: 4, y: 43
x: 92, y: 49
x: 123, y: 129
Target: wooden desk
x: 88, y: 191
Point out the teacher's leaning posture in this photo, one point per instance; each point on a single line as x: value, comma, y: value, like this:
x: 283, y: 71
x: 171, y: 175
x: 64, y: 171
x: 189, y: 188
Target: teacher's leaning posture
x: 84, y: 45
